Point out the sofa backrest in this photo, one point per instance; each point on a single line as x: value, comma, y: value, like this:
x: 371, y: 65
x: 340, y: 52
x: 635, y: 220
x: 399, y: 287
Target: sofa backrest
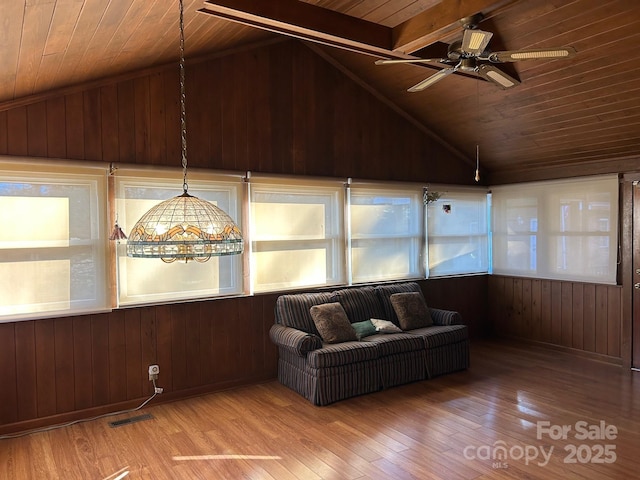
x: 359, y: 303
x: 385, y: 291
x: 293, y: 310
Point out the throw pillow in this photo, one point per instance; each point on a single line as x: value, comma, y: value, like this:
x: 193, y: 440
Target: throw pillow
x: 385, y: 326
x: 332, y: 323
x: 364, y: 329
x: 412, y: 310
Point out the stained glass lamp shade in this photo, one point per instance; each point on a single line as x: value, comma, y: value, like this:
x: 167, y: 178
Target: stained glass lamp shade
x: 184, y: 227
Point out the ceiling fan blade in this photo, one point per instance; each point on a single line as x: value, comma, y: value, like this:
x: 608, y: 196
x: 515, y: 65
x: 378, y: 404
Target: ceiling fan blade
x: 413, y: 60
x: 537, y: 54
x: 436, y: 77
x: 475, y: 41
x: 497, y: 76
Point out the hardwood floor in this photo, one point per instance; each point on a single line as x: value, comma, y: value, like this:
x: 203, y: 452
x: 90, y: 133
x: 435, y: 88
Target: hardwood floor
x: 443, y: 428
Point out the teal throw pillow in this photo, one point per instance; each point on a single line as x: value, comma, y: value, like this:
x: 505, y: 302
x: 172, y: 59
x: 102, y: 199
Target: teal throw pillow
x: 364, y: 329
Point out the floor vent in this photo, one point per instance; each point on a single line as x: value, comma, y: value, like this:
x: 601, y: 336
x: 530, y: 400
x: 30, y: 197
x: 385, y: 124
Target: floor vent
x: 127, y: 421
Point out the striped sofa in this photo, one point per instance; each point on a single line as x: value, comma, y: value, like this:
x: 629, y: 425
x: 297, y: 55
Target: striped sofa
x: 326, y: 373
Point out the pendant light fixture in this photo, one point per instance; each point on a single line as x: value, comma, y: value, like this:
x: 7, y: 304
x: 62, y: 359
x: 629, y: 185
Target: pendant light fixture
x: 184, y: 227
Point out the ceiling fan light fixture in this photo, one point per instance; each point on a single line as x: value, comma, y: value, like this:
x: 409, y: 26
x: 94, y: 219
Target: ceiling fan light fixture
x: 468, y: 53
x: 475, y: 41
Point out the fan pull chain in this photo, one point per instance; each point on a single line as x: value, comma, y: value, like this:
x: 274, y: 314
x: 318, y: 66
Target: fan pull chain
x: 477, y: 175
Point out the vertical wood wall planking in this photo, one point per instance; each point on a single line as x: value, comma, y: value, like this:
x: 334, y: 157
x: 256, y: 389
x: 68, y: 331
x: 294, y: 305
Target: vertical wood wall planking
x: 65, y: 380
x: 74, y: 125
x: 17, y: 131
x: 56, y: 134
x: 45, y: 367
x: 126, y: 122
x: 82, y: 368
x: 8, y: 373
x: 117, y: 358
x: 575, y: 315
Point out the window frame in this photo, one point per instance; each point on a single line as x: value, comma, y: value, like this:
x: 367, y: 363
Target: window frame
x: 333, y: 190
x: 416, y: 238
x: 23, y: 170
x: 205, y: 185
x: 544, y: 235
x: 450, y: 195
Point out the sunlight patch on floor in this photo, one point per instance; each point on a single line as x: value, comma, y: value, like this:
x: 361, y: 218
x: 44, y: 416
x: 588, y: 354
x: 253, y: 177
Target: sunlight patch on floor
x: 226, y: 457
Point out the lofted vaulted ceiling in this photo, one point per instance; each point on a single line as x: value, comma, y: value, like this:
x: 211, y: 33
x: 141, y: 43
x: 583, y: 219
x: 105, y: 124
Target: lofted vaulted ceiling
x: 571, y: 116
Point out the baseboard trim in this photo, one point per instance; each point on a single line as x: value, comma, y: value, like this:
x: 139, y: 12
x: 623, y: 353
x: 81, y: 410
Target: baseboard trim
x: 599, y: 357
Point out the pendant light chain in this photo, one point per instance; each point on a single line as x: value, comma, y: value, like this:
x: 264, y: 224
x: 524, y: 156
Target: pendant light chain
x: 184, y: 227
x: 183, y: 113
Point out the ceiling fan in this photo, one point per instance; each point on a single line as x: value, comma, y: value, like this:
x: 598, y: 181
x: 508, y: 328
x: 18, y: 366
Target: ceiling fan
x: 470, y: 55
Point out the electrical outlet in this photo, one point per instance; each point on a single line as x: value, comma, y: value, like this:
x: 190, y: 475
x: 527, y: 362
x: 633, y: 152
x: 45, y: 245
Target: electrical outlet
x: 154, y: 371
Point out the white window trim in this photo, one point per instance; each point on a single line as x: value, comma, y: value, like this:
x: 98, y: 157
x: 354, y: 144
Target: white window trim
x: 94, y: 175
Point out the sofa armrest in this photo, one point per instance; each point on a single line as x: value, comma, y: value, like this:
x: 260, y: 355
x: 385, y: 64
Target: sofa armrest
x: 445, y: 317
x: 294, y: 340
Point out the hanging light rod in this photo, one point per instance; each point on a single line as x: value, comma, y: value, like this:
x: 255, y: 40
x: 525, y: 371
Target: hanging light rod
x: 184, y: 227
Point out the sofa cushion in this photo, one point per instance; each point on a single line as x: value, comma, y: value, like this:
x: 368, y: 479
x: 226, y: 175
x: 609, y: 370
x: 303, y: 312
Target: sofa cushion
x: 437, y: 336
x: 385, y: 326
x: 411, y: 310
x: 360, y: 303
x: 384, y: 293
x: 294, y: 310
x: 332, y: 323
x: 364, y: 329
x: 396, y: 343
x: 337, y: 354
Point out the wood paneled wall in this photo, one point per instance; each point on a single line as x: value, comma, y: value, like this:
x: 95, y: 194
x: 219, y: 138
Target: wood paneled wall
x: 53, y: 370
x: 466, y: 295
x: 580, y: 316
x: 278, y: 109
x: 53, y: 367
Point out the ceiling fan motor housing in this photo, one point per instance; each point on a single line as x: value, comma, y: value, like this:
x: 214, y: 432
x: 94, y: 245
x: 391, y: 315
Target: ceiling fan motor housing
x: 471, y: 22
x: 468, y: 64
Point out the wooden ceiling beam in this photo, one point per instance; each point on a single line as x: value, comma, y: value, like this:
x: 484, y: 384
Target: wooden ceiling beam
x: 308, y: 22
x: 321, y: 25
x: 439, y: 22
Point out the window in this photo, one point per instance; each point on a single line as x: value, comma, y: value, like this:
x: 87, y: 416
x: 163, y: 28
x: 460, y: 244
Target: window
x: 52, y: 241
x: 458, y: 233
x: 297, y: 233
x: 142, y: 280
x: 386, y: 232
x: 564, y: 230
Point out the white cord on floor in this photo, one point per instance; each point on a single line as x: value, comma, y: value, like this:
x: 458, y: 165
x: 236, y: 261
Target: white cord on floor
x: 156, y: 390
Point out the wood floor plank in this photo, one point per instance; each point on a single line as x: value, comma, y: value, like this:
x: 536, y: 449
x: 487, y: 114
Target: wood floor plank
x: 444, y: 428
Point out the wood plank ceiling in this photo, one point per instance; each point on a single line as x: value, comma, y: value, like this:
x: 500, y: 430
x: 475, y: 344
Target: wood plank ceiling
x: 574, y: 115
